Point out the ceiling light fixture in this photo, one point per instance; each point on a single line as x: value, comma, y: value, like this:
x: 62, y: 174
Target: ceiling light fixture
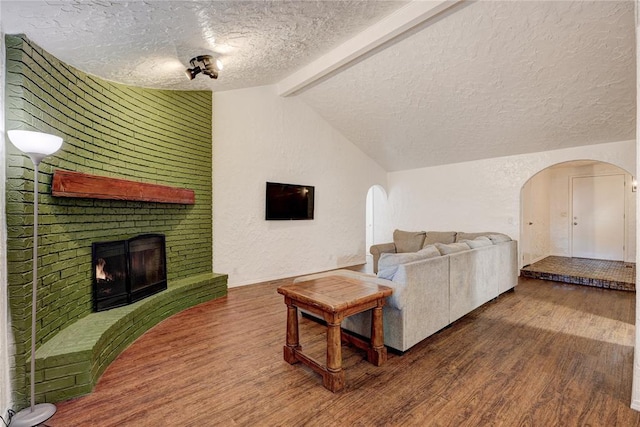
x: 205, y: 64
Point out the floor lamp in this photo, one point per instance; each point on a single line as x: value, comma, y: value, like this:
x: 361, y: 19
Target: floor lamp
x: 37, y: 146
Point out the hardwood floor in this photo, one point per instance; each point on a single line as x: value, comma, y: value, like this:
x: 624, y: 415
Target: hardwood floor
x: 548, y: 354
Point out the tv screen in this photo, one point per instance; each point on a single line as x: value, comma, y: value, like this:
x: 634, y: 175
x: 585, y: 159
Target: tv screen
x: 289, y: 201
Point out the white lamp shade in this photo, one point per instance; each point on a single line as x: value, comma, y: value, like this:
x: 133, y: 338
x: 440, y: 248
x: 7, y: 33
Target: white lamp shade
x: 37, y: 143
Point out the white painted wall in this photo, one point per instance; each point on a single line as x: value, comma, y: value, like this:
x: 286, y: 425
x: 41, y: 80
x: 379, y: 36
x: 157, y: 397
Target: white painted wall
x: 484, y: 194
x: 5, y: 325
x: 259, y: 137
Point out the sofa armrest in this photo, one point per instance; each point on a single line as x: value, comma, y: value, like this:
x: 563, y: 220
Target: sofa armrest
x: 376, y: 250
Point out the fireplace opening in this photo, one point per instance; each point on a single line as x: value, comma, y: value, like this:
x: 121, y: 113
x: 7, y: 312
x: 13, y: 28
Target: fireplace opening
x: 126, y: 271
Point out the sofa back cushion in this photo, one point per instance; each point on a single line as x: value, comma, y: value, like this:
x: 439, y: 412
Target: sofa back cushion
x: 451, y: 248
x: 408, y: 241
x: 388, y: 263
x: 445, y: 237
x: 478, y: 242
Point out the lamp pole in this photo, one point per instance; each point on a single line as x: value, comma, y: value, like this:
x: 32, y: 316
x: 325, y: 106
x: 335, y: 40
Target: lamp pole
x: 37, y: 146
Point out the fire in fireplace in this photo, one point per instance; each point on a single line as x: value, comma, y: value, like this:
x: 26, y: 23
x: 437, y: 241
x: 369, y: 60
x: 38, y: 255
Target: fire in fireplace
x: 127, y: 271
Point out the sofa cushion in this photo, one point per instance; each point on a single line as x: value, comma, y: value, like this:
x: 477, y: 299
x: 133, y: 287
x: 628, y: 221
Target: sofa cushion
x: 440, y: 237
x: 462, y: 236
x: 478, y: 242
x: 408, y: 241
x: 388, y: 263
x: 499, y: 238
x: 451, y: 248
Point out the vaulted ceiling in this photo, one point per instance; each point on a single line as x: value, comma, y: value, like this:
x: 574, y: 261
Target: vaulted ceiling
x: 471, y: 80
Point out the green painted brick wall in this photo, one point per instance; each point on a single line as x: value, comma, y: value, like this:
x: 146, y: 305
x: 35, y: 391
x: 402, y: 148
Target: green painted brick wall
x: 146, y: 135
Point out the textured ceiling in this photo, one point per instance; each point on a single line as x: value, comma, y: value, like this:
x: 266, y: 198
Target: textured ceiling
x: 150, y: 43
x: 484, y: 79
x: 491, y: 79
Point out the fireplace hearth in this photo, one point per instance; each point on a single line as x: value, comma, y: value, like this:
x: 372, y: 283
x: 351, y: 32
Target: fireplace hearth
x: 126, y: 271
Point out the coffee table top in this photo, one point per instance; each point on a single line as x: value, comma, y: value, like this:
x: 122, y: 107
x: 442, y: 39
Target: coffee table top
x: 335, y: 293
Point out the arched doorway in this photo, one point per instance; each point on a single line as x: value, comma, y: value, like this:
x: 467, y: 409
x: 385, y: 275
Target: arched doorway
x: 581, y: 209
x: 375, y: 218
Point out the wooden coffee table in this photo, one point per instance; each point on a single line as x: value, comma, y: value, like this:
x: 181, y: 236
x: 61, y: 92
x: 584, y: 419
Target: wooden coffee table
x: 333, y: 298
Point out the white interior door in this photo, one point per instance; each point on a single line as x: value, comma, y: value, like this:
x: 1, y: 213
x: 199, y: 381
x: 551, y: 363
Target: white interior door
x: 535, y: 219
x: 526, y: 222
x: 598, y: 217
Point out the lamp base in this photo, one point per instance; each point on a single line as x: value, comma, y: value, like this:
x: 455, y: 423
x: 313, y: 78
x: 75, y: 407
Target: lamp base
x: 28, y: 418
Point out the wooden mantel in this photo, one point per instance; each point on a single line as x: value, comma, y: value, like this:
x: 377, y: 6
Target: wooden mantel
x: 82, y: 185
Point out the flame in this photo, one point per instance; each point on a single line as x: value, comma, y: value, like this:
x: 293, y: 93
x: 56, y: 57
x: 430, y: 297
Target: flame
x: 100, y: 273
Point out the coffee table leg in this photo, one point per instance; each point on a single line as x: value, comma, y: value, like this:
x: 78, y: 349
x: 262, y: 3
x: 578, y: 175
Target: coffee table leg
x: 293, y: 343
x: 377, y: 353
x: 334, y: 376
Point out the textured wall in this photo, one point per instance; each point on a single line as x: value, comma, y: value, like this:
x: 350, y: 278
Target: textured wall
x: 483, y: 194
x: 261, y: 137
x: 5, y: 351
x: 156, y: 136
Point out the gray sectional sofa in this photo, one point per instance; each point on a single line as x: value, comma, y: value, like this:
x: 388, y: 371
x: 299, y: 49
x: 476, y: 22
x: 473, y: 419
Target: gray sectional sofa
x: 437, y: 278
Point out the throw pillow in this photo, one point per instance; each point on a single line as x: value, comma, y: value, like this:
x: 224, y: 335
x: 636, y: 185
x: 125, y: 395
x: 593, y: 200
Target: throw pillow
x: 440, y: 237
x: 499, y: 238
x: 452, y: 248
x: 388, y: 262
x: 429, y: 251
x: 478, y: 242
x: 408, y: 241
x: 461, y: 236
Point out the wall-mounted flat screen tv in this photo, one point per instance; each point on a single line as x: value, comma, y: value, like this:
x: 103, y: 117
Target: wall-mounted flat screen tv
x: 289, y: 201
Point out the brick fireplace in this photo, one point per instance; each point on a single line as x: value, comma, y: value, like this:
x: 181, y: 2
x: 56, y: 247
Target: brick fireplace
x: 142, y: 135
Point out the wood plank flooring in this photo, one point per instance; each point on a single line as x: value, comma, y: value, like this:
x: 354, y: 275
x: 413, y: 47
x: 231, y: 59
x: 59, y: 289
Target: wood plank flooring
x: 548, y: 354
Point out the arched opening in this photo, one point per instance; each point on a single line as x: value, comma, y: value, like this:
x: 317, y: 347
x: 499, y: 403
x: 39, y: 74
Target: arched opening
x: 375, y: 219
x: 579, y: 210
